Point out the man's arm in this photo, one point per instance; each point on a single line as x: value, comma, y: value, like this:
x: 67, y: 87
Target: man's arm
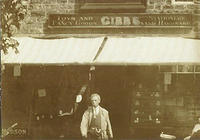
x: 84, y: 124
x: 109, y: 127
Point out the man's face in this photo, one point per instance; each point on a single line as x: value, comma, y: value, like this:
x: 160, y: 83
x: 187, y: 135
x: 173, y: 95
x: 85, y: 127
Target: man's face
x: 95, y: 101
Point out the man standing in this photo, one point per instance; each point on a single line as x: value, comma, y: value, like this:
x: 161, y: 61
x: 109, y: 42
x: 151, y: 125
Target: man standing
x: 95, y: 122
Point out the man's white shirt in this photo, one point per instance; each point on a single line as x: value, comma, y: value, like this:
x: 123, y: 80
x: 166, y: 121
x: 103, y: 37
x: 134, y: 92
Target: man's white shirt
x: 96, y: 110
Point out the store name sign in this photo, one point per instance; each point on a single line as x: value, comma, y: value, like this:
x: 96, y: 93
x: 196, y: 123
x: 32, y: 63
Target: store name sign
x: 118, y: 20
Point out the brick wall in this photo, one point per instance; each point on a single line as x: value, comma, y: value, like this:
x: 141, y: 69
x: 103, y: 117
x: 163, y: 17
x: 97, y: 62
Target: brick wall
x: 36, y: 21
x: 167, y: 6
x: 196, y: 17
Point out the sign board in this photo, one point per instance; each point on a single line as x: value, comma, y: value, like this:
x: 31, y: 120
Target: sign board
x: 119, y: 20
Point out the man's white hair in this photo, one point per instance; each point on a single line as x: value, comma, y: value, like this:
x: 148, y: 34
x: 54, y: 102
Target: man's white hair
x: 97, y: 95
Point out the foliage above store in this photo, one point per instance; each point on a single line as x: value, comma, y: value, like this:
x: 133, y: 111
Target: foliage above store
x: 13, y: 12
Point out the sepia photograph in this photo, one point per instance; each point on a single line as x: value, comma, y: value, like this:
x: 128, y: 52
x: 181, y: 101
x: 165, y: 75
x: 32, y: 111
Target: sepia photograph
x: 100, y: 70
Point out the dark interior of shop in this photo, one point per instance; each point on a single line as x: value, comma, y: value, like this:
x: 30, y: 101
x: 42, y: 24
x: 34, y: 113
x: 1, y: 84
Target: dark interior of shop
x: 170, y: 105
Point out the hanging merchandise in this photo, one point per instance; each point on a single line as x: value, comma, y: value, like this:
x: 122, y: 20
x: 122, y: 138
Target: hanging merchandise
x: 137, y: 103
x: 146, y: 106
x: 165, y: 88
x: 38, y: 118
x: 150, y: 118
x: 90, y: 77
x: 157, y: 94
x: 136, y: 120
x: 138, y: 94
x: 157, y: 113
x: 41, y: 92
x: 157, y: 121
x: 136, y: 112
x: 158, y: 103
x: 167, y: 78
x: 78, y: 98
x: 17, y: 70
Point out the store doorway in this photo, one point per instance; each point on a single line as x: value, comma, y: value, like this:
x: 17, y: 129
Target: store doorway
x: 115, y: 85
x: 109, y: 83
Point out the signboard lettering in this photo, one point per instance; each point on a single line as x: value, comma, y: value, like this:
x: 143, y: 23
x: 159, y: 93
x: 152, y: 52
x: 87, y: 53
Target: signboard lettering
x: 120, y: 20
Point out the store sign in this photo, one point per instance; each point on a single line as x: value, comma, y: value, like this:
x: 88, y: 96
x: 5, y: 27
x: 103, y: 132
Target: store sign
x: 119, y: 20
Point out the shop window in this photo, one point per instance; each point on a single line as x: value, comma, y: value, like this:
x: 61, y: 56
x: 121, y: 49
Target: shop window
x: 182, y: 1
x: 112, y: 6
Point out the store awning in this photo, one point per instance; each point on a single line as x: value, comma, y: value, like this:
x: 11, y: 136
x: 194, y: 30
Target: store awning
x: 115, y: 51
x: 149, y: 50
x: 51, y: 51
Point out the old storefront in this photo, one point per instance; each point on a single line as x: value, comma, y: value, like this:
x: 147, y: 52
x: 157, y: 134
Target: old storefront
x: 141, y: 56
